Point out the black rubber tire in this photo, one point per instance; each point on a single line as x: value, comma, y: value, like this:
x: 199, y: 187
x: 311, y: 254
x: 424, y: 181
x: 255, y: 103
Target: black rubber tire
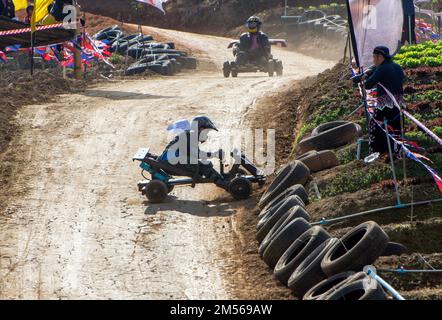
x: 292, y: 191
x: 271, y: 68
x: 240, y: 188
x: 287, y: 217
x: 331, y: 125
x: 102, y: 33
x: 269, y: 219
x: 298, y: 251
x: 156, y: 191
x: 365, y: 243
x: 330, y: 139
x: 358, y: 290
x: 309, y: 272
x: 394, y: 249
x: 318, y: 161
x: 190, y: 63
x: 226, y: 69
x: 158, y: 67
x: 325, y: 287
x: 283, y: 239
x: 111, y: 36
x: 137, y: 68
x: 294, y: 173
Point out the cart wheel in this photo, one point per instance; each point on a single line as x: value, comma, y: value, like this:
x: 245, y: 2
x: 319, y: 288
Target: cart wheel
x: 233, y: 70
x: 156, y: 191
x: 170, y: 188
x: 279, y: 69
x: 240, y: 188
x: 271, y: 68
x: 226, y: 69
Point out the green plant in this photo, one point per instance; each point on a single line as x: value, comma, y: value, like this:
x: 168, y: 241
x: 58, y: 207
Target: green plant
x: 116, y: 59
x: 425, y: 54
x: 356, y: 180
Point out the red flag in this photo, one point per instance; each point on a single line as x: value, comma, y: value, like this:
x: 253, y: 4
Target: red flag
x: 3, y: 57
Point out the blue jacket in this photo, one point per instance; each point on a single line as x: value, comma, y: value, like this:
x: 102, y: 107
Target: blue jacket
x: 392, y: 77
x: 408, y: 6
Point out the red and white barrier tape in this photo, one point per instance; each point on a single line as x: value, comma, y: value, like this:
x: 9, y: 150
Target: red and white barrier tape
x: 39, y: 28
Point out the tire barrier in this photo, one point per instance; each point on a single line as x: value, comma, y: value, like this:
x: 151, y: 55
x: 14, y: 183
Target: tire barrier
x: 306, y: 258
x: 159, y: 57
x: 361, y: 246
x: 292, y: 214
x: 283, y: 239
x: 298, y: 251
x: 268, y: 220
x: 331, y: 135
x: 294, y: 173
x: 357, y: 290
x: 325, y: 287
x: 318, y: 18
x: 318, y: 161
x: 309, y: 271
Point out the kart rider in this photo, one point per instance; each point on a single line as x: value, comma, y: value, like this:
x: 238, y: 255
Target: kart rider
x: 184, y: 152
x: 253, y: 46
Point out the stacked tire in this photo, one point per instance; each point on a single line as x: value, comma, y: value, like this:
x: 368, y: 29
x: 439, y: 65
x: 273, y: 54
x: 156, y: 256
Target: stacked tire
x: 158, y: 57
x: 331, y: 135
x: 306, y: 258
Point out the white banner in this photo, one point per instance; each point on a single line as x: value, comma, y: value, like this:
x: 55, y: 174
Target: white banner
x: 156, y: 3
x: 375, y: 23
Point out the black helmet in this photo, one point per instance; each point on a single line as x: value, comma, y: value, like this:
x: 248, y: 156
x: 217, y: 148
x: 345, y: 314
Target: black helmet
x: 254, y: 24
x: 204, y: 123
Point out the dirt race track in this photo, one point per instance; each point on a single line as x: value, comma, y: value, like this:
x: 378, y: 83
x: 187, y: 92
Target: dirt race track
x: 73, y: 226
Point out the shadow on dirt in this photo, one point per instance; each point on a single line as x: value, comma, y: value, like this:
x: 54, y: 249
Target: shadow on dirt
x: 122, y: 95
x: 213, y: 208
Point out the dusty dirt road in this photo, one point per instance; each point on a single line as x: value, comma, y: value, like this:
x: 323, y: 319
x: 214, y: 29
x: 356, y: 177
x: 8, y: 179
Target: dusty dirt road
x: 73, y: 226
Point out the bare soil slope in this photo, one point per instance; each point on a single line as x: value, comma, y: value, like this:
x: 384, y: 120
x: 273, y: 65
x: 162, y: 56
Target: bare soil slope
x: 72, y: 224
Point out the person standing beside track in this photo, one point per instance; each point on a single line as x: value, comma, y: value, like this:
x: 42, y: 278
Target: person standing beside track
x: 409, y: 32
x: 390, y: 75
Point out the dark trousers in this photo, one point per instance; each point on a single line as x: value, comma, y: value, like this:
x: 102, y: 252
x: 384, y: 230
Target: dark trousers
x: 377, y: 137
x: 409, y: 30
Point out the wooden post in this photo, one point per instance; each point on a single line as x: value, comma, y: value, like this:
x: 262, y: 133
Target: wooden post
x: 77, y: 51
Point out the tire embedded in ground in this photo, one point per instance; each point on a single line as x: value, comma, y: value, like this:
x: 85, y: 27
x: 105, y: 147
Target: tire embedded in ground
x: 298, y: 251
x: 293, y: 190
x: 328, y: 285
x: 367, y: 289
x: 293, y: 173
x: 294, y: 213
x: 394, y: 249
x: 309, y: 272
x: 283, y: 239
x: 361, y: 246
x: 268, y: 221
x: 318, y: 161
x: 331, y: 139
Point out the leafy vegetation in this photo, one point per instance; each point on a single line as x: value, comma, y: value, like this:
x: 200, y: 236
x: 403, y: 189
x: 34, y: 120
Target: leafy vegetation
x: 427, y: 54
